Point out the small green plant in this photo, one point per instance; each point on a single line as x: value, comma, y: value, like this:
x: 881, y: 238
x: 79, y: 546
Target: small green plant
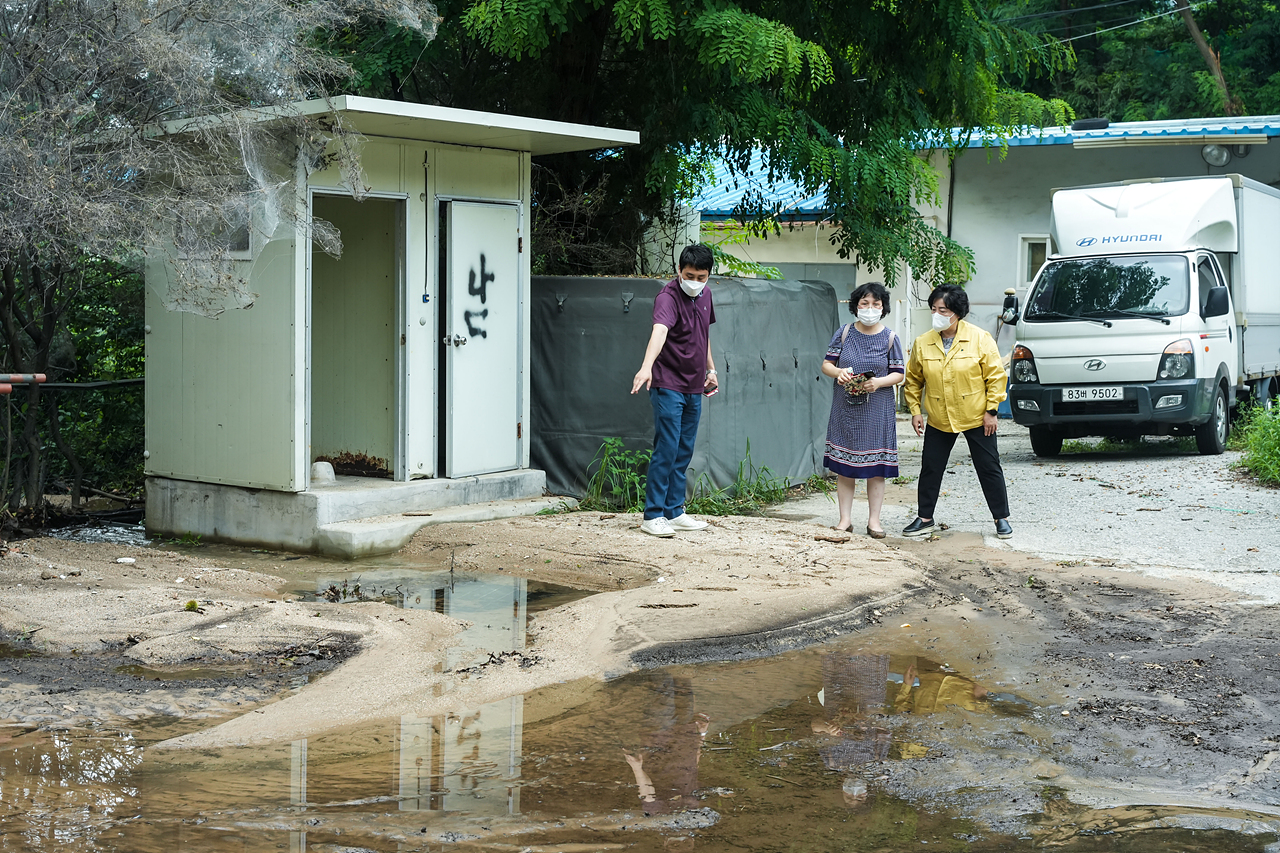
x: 188, y: 540
x: 559, y: 509
x: 1241, y: 424
x: 347, y: 592
x: 193, y: 606
x: 819, y: 483
x: 752, y: 489
x: 903, y: 480
x: 1258, y: 433
x: 615, y: 481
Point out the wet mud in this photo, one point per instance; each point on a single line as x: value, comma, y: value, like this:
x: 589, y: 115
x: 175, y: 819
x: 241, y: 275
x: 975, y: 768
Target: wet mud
x: 1007, y: 703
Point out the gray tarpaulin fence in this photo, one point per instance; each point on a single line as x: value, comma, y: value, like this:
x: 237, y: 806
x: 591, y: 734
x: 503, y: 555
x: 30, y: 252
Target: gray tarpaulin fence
x: 589, y: 336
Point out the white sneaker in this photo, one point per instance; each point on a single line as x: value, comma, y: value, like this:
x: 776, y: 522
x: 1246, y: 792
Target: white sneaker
x: 684, y: 521
x: 657, y: 527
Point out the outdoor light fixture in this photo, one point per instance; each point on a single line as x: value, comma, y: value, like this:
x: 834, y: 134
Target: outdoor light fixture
x: 1216, y: 155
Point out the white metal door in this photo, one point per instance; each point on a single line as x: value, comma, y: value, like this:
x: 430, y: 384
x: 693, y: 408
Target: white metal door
x: 482, y: 339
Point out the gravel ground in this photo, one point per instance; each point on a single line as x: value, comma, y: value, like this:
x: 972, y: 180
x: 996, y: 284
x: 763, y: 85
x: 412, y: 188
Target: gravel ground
x: 1166, y: 511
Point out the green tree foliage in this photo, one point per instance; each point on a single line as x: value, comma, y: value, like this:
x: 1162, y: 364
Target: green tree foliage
x: 1137, y: 60
x: 842, y: 97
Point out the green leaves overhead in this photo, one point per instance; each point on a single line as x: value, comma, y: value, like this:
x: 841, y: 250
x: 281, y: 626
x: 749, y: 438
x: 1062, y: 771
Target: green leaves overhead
x: 757, y: 49
x: 519, y: 28
x: 639, y: 18
x: 842, y: 97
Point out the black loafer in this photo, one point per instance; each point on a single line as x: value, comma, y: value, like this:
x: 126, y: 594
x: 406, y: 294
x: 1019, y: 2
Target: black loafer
x: 919, y: 527
x: 1003, y: 529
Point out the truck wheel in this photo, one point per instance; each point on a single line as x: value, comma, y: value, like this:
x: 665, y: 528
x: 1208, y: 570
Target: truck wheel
x: 1045, y: 442
x: 1211, y: 436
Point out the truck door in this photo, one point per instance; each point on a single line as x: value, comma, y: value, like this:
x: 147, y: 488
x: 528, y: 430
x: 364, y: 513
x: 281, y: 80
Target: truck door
x: 1217, y: 340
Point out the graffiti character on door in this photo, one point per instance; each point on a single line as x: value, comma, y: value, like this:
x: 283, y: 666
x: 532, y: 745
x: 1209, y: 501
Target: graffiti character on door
x: 480, y: 290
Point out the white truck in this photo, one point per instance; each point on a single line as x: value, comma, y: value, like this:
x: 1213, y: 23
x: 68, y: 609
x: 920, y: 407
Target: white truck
x: 1157, y: 310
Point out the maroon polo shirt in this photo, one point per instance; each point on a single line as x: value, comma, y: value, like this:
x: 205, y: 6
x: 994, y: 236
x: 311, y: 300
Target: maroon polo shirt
x: 682, y: 364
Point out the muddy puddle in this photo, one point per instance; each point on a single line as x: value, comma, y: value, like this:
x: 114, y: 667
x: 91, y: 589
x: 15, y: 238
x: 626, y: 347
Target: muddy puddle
x: 498, y: 606
x: 796, y: 752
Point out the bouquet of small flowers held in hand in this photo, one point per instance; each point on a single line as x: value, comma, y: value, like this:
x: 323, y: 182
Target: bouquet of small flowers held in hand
x: 853, y: 388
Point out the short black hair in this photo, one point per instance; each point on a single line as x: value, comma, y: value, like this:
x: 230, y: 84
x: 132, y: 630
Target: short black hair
x: 697, y: 256
x: 953, y: 297
x: 875, y: 290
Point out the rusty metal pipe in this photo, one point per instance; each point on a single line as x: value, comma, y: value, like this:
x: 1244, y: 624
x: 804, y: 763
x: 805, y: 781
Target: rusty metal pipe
x: 21, y: 378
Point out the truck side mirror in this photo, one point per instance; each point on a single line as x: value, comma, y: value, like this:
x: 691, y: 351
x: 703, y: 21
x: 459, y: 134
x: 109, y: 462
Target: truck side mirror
x: 1216, y: 304
x: 1009, y: 314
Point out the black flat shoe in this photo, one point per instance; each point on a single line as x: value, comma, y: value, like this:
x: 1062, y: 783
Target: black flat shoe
x: 919, y: 527
x: 1003, y: 529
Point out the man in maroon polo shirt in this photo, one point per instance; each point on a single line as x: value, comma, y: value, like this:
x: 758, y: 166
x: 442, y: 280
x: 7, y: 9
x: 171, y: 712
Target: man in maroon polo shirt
x: 677, y: 370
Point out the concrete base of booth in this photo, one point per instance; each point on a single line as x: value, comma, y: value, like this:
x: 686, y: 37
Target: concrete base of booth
x: 351, y: 517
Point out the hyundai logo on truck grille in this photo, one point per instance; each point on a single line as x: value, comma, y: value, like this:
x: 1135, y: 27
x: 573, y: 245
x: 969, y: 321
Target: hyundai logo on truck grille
x: 1086, y: 241
x: 1094, y: 364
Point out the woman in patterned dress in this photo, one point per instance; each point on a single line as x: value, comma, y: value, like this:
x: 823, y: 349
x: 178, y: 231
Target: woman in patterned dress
x: 862, y: 435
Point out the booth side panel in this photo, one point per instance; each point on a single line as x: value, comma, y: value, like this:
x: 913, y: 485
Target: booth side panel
x: 220, y: 390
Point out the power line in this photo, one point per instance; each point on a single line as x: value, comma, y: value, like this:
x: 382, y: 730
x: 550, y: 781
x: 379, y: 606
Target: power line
x: 1078, y: 27
x: 1130, y: 24
x: 1061, y: 13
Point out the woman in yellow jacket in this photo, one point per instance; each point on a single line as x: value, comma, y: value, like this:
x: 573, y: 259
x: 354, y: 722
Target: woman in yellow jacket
x: 955, y: 371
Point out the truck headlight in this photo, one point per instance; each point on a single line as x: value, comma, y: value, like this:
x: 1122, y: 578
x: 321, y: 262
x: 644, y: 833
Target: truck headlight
x: 1023, y: 366
x: 1178, y: 361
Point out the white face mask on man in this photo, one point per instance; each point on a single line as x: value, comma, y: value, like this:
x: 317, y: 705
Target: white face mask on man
x: 869, y: 316
x: 692, y: 288
x: 941, y: 322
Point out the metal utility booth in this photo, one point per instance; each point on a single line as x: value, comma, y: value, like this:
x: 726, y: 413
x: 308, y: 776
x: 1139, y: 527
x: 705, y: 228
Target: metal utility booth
x: 408, y: 355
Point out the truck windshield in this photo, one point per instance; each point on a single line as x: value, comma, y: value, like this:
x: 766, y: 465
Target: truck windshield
x: 1146, y: 285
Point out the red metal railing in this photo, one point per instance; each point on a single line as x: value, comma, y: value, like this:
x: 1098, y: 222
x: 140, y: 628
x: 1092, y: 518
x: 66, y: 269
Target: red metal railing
x: 8, y: 380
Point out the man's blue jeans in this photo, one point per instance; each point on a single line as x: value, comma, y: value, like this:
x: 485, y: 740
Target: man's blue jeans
x: 675, y: 427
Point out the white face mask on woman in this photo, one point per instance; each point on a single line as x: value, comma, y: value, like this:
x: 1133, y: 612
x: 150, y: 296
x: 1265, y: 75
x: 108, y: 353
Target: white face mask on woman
x: 869, y: 316
x: 940, y: 322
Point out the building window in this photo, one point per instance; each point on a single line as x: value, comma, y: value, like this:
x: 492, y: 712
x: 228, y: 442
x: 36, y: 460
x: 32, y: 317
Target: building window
x: 1034, y: 250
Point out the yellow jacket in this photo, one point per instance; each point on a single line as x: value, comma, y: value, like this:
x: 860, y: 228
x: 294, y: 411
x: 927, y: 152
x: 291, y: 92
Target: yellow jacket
x: 959, y: 384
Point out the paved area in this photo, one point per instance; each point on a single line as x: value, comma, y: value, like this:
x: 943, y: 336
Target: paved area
x: 1165, y: 510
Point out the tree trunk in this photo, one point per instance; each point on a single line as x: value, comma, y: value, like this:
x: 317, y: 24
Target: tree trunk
x: 1230, y: 106
x: 55, y: 432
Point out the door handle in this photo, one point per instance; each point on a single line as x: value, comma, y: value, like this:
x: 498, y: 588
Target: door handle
x: 456, y: 340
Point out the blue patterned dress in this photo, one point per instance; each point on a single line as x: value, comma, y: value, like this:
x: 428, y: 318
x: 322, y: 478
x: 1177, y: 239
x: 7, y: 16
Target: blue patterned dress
x: 862, y: 440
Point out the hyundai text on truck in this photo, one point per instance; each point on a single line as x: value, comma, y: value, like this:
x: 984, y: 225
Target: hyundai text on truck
x: 1157, y: 310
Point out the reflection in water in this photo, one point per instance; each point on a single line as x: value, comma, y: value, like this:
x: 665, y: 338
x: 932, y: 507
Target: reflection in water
x: 665, y: 766
x: 498, y: 606
x: 853, y: 688
x: 768, y: 755
x: 452, y: 762
x: 58, y: 791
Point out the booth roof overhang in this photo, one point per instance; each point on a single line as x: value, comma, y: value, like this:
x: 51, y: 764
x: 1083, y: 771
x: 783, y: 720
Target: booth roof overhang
x: 399, y: 120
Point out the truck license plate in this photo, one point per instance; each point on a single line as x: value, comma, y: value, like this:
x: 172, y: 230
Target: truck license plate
x: 1090, y: 393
